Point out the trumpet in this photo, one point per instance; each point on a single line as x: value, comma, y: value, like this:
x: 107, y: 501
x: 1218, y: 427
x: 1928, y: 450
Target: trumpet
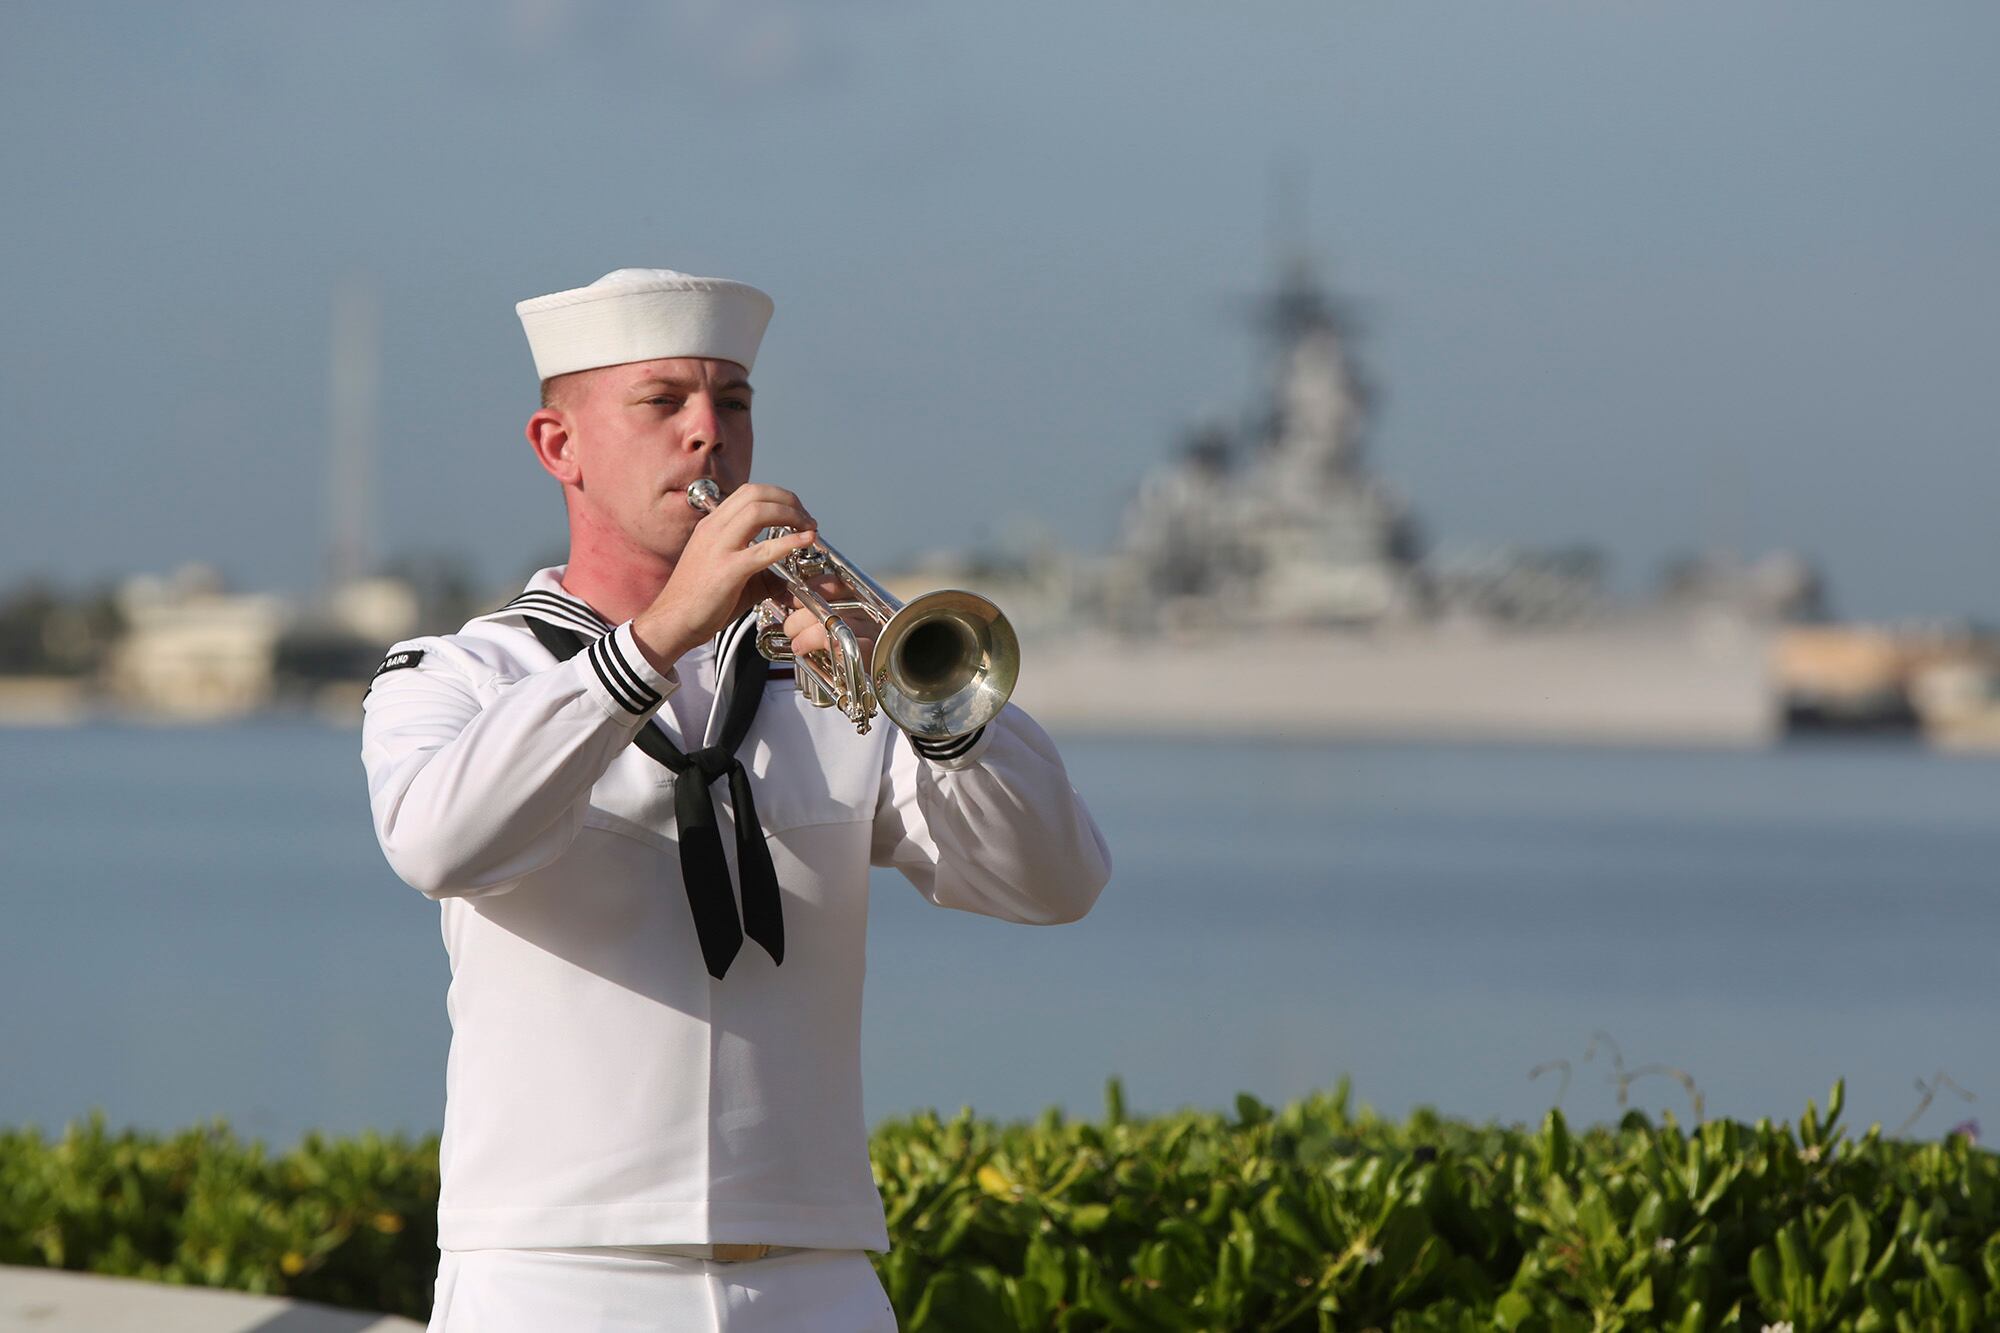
x: 944, y: 664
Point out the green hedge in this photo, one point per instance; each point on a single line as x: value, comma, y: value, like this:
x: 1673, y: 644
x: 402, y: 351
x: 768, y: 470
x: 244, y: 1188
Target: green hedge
x: 1309, y: 1217
x: 351, y: 1222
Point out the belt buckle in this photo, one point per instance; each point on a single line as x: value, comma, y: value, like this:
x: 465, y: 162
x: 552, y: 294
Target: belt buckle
x: 738, y: 1254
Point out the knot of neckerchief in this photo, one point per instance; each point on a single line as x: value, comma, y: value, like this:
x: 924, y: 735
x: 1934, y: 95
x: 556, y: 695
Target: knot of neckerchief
x: 704, y: 869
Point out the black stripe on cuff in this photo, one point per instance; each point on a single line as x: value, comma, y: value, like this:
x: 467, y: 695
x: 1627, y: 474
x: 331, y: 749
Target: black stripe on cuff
x: 634, y: 683
x: 946, y: 749
x: 596, y: 655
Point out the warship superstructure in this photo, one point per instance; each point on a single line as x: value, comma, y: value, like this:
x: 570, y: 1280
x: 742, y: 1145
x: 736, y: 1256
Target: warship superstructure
x: 1286, y: 526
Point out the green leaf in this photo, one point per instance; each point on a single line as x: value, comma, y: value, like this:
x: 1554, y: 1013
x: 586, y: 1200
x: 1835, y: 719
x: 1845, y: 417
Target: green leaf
x: 1593, y: 1214
x: 1114, y: 1305
x: 1909, y: 1221
x: 1167, y: 1311
x: 1792, y: 1264
x: 961, y: 1300
x: 1284, y: 1217
x: 1878, y: 1307
x: 1043, y: 1265
x: 1647, y: 1218
x: 1512, y: 1310
x: 1114, y: 1100
x: 1403, y: 1235
x: 1555, y: 1144
x: 1953, y: 1283
x: 1836, y: 1268
x: 1719, y: 1183
x: 1028, y: 1303
x: 1089, y: 1218
x: 1696, y: 1171
x: 1765, y: 1279
x: 1559, y: 1202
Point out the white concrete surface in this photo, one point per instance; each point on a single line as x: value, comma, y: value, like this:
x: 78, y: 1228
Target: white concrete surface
x: 41, y: 1300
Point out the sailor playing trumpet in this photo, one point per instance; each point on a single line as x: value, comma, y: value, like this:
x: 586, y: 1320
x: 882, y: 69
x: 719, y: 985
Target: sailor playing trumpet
x: 648, y: 1125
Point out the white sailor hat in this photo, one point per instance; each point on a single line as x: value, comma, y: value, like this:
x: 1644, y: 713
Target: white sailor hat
x: 644, y: 314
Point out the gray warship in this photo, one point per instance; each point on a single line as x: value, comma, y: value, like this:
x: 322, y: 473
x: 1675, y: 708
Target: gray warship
x: 1266, y: 584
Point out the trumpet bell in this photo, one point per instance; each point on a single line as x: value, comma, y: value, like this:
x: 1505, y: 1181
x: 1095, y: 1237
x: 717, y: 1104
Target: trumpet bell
x: 945, y: 664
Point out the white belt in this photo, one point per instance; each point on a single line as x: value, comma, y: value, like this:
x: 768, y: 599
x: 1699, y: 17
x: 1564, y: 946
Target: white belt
x: 721, y: 1253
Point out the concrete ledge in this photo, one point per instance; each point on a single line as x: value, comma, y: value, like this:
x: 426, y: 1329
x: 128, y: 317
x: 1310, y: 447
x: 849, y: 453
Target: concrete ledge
x: 43, y: 1300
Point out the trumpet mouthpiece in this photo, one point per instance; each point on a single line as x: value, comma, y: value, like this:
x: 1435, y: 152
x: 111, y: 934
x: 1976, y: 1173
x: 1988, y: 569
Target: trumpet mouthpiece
x: 704, y: 494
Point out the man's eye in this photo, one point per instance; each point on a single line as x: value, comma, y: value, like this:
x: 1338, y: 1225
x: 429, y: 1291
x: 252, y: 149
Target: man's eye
x: 663, y: 401
x: 737, y: 404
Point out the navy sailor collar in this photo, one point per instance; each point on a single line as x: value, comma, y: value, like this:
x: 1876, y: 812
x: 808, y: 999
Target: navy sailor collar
x: 547, y: 600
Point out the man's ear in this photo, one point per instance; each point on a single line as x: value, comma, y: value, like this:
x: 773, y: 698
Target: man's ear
x: 548, y: 435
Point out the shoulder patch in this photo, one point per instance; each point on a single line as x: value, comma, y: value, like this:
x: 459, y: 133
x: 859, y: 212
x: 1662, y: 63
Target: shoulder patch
x: 409, y: 657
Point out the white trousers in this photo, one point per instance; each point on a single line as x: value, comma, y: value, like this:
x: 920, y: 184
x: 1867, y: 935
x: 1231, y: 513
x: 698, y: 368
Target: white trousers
x: 635, y: 1291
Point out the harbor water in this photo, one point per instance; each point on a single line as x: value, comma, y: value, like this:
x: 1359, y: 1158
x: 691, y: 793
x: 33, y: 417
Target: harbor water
x: 197, y: 923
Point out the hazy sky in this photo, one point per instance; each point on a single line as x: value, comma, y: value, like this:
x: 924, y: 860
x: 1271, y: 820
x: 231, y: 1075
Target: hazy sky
x: 1648, y: 275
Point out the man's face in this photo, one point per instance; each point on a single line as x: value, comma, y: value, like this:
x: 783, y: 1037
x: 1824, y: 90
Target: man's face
x: 637, y: 434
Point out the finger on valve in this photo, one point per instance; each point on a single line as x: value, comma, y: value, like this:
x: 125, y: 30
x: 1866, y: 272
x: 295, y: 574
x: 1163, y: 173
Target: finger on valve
x: 802, y: 627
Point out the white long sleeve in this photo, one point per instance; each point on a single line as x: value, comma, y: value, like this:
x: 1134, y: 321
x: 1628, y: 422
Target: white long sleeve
x: 996, y: 830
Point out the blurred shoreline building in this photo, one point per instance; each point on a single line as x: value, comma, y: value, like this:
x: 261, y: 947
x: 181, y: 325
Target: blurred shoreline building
x: 191, y: 650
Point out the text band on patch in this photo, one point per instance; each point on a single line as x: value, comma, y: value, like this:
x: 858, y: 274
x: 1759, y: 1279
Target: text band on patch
x: 409, y: 657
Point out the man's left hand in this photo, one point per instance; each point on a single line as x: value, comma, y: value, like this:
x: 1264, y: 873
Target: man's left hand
x: 806, y: 632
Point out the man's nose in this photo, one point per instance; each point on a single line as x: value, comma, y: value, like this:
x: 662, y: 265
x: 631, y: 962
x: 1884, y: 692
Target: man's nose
x: 704, y: 424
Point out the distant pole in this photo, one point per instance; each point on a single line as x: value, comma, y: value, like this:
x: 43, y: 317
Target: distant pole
x: 351, y: 460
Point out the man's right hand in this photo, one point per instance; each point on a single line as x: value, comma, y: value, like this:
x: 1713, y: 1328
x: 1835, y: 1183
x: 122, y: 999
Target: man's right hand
x: 705, y: 591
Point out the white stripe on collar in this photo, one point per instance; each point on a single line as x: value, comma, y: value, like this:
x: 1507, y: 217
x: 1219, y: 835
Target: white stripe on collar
x: 546, y: 599
x: 555, y: 615
x: 728, y: 642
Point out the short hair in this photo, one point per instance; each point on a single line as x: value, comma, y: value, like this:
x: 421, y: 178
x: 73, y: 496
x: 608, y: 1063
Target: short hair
x: 552, y: 388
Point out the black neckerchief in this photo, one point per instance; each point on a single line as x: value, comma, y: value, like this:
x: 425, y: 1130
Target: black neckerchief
x: 703, y: 868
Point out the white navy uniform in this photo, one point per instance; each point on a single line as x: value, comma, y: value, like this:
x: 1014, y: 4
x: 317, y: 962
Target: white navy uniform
x: 604, y: 1092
